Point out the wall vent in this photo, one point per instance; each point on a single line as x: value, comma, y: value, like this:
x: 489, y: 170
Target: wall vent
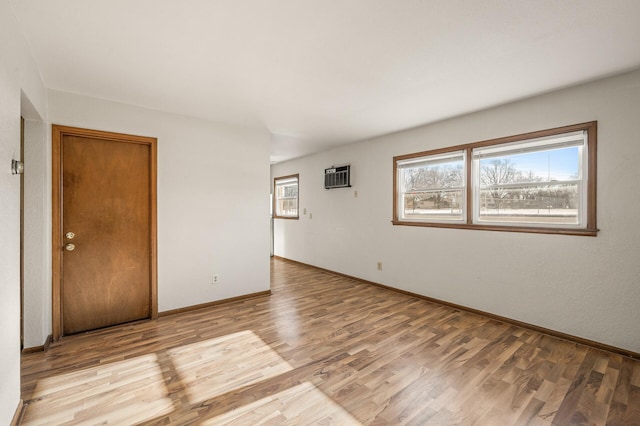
x: 337, y: 177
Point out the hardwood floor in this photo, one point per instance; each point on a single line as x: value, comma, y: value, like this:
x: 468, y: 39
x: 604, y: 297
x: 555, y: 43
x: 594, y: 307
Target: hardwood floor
x: 324, y: 349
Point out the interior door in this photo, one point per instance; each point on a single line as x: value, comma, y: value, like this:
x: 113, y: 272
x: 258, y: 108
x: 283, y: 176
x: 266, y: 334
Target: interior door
x: 107, y: 229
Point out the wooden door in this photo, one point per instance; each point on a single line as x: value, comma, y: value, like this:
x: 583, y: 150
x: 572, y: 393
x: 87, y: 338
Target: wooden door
x: 106, y: 233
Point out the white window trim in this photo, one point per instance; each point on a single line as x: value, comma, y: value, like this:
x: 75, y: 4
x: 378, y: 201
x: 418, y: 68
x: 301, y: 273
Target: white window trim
x: 430, y: 160
x: 573, y: 139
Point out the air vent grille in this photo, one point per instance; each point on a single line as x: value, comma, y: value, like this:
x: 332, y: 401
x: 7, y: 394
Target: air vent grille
x: 337, y: 177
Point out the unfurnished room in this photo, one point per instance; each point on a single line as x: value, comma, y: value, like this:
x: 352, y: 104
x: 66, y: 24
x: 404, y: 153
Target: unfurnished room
x: 305, y: 212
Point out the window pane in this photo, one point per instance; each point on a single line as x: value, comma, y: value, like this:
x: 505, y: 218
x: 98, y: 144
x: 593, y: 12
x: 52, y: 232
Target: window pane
x: 550, y: 165
x: 550, y: 204
x: 433, y: 188
x: 540, y: 187
x: 443, y: 205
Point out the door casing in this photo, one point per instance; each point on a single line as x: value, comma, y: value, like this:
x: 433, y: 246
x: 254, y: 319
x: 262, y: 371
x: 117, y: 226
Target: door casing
x: 58, y: 133
x: 22, y: 236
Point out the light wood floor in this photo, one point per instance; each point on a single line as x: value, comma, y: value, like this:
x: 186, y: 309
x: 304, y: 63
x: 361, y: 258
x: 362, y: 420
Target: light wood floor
x: 327, y: 350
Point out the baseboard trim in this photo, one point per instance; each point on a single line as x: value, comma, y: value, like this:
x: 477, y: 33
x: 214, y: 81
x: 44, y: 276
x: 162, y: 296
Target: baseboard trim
x: 543, y: 330
x: 41, y: 348
x: 49, y: 340
x: 17, y: 416
x: 214, y: 303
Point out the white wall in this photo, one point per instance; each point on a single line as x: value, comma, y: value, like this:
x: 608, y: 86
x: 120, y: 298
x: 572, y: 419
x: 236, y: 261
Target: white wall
x: 19, y: 80
x: 37, y: 228
x: 583, y: 286
x: 212, y: 202
x: 213, y: 197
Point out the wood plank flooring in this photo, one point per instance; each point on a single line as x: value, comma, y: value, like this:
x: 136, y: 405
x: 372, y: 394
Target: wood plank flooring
x: 324, y: 349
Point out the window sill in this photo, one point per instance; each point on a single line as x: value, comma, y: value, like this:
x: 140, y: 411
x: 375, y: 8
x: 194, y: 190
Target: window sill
x: 528, y: 229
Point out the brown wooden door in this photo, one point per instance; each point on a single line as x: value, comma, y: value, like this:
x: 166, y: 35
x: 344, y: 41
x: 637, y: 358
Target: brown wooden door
x: 106, y: 203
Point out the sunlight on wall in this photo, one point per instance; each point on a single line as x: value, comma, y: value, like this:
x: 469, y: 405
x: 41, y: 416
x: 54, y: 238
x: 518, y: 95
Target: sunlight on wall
x: 123, y: 392
x: 216, y: 366
x: 301, y: 404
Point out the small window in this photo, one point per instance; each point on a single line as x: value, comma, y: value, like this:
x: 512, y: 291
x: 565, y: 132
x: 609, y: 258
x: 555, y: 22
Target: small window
x: 542, y: 182
x: 286, y: 197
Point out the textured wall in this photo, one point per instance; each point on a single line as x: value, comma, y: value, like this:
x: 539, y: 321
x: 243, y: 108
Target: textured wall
x: 19, y: 83
x: 213, y: 197
x: 582, y: 286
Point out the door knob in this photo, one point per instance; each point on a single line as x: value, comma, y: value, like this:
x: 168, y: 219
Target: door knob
x: 69, y: 247
x: 70, y: 235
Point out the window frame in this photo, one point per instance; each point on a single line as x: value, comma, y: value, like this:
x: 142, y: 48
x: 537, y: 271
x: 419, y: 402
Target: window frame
x: 435, y: 159
x: 276, y: 199
x: 588, y: 228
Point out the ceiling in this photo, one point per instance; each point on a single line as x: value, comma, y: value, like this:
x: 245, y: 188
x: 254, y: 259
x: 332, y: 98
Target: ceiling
x: 319, y: 73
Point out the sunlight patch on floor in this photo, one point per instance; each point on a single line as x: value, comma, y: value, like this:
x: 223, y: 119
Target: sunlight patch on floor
x: 214, y: 367
x: 122, y: 392
x: 303, y: 404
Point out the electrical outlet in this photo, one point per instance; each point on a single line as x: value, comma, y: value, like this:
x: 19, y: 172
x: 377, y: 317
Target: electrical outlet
x: 310, y: 215
x: 379, y: 266
x: 216, y: 279
x: 304, y: 211
x: 355, y: 194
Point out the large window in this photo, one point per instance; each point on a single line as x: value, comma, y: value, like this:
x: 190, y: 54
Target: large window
x: 285, y: 189
x: 538, y: 182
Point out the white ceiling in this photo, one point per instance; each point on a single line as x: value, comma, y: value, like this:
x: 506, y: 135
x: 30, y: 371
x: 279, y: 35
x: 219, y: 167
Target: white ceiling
x: 318, y: 73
